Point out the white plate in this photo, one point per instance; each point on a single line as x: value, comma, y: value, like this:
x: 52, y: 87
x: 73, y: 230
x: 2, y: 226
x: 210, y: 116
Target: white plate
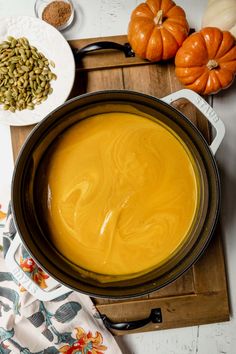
x: 53, y: 45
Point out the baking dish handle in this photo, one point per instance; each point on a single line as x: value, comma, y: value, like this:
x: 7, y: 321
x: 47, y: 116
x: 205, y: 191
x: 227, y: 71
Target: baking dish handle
x: 25, y: 280
x: 206, y: 110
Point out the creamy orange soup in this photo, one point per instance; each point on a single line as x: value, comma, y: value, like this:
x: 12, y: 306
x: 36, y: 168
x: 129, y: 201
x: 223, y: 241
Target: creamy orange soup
x: 122, y: 193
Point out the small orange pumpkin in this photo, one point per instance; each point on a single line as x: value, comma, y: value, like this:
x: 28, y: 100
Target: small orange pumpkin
x: 157, y: 29
x: 206, y: 62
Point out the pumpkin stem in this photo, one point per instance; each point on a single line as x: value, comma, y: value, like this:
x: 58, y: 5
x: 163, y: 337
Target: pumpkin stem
x: 159, y: 17
x: 212, y: 64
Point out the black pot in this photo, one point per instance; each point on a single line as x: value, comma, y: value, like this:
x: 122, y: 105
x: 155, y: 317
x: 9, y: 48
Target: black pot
x: 28, y: 218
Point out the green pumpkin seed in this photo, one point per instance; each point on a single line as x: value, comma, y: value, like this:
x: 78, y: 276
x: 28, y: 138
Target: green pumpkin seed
x: 25, y: 68
x: 30, y: 106
x: 13, y: 43
x: 4, y: 59
x: 42, y: 77
x: 12, y: 67
x: 52, y: 63
x: 25, y: 84
x: 25, y: 40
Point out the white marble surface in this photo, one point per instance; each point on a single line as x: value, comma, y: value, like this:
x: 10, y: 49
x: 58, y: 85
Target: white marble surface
x: 110, y: 17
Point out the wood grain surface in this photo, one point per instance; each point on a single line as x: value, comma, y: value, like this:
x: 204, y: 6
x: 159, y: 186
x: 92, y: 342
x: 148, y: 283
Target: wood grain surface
x: 200, y: 295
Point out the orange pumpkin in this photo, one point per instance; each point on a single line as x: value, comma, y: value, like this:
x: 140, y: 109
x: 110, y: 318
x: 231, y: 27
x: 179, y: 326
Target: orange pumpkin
x: 206, y: 62
x: 157, y: 29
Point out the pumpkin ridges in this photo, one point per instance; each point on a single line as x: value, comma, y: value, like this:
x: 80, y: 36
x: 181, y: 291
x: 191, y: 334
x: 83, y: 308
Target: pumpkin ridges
x: 189, y: 55
x: 229, y: 65
x: 183, y: 59
x: 170, y: 45
x: 141, y: 11
x: 139, y: 43
x: 154, y: 5
x: 231, y: 55
x: 178, y: 21
x: 200, y: 84
x: 164, y: 5
x: 226, y: 44
x: 189, y: 75
x: 213, y: 38
x: 177, y: 12
x: 225, y: 77
x: 141, y: 22
x: 213, y: 84
x: 152, y: 50
x: 177, y: 31
x: 167, y: 5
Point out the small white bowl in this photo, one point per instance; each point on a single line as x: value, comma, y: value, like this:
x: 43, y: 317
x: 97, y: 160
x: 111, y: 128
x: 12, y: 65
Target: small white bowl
x: 40, y: 5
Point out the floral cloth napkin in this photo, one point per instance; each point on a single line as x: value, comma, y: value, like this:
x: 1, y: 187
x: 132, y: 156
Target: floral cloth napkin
x: 69, y: 324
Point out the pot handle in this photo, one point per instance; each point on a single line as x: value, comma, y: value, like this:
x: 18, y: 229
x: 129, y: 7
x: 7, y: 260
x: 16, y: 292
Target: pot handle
x: 206, y: 110
x: 92, y: 47
x: 154, y: 317
x: 25, y: 280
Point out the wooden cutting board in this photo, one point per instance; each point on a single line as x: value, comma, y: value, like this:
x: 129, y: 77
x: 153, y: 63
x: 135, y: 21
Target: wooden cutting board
x: 200, y: 295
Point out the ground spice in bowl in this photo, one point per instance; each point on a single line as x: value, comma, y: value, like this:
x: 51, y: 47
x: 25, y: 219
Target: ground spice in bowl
x: 57, y: 13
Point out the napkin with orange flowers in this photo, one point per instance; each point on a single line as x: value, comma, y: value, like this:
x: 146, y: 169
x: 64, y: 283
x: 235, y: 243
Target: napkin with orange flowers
x: 69, y: 324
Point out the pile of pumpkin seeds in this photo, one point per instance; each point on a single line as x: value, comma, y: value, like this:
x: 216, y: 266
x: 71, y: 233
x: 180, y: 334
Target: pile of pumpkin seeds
x: 25, y: 75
